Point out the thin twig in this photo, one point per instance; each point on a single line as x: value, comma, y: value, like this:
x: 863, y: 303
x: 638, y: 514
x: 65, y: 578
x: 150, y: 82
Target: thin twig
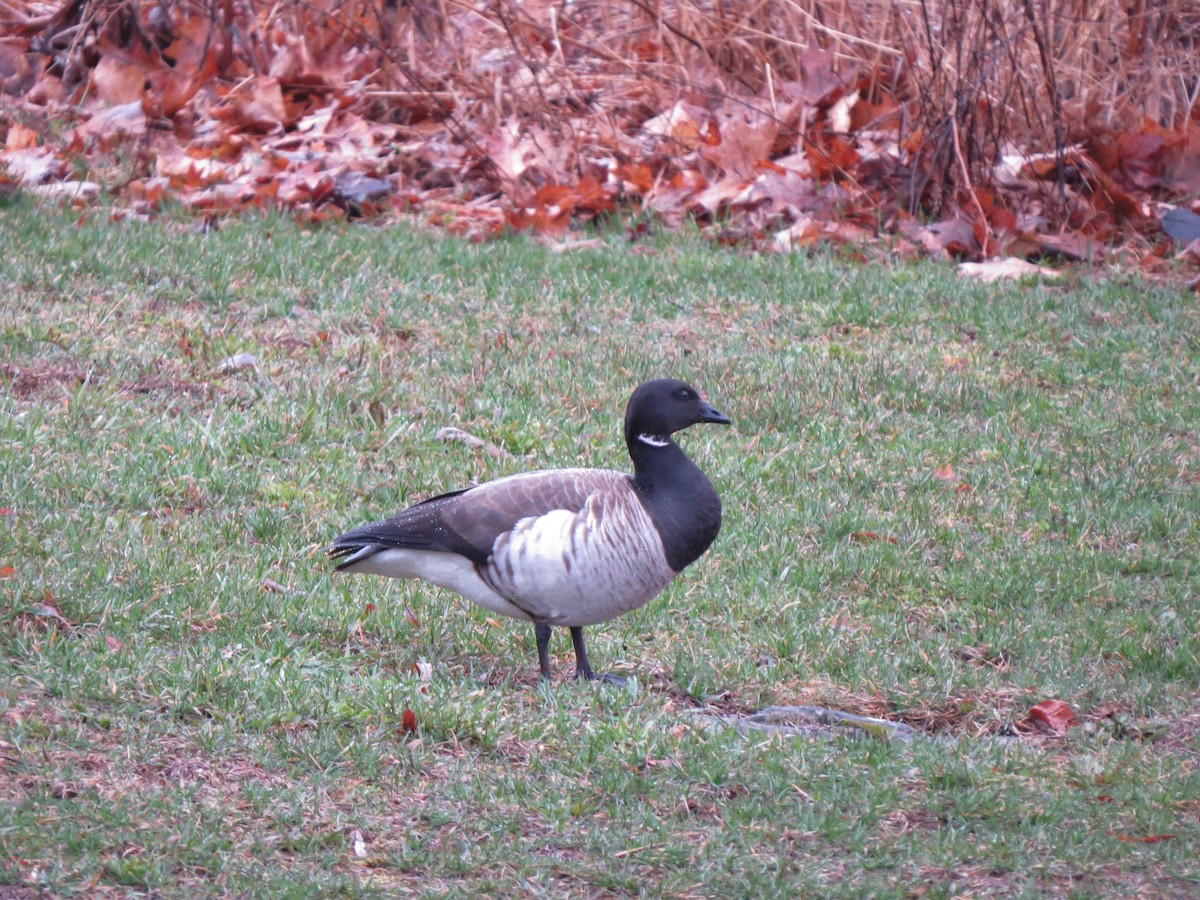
x: 966, y: 177
x: 1039, y: 36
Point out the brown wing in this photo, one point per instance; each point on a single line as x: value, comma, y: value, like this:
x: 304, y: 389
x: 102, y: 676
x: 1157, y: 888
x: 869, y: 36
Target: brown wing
x: 469, y: 522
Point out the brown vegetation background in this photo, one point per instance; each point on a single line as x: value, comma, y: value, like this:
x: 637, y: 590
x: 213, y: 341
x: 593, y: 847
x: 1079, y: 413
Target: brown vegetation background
x: 951, y: 128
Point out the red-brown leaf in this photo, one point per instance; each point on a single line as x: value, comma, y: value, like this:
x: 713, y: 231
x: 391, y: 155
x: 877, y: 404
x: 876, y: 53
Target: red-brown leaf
x: 867, y: 537
x: 1053, y: 715
x: 831, y: 158
x: 48, y: 610
x: 1140, y: 839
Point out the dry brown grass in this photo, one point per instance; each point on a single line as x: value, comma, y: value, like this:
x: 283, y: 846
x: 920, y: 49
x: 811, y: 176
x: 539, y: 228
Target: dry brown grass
x: 995, y: 75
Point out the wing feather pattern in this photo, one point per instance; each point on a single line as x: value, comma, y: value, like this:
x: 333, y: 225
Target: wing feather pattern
x: 563, y: 547
x: 469, y: 522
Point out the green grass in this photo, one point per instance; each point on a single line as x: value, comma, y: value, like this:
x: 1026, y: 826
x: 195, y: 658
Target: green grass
x: 222, y: 715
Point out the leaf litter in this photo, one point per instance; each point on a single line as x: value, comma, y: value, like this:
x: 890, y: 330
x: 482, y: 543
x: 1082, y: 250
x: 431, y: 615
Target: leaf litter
x: 485, y: 118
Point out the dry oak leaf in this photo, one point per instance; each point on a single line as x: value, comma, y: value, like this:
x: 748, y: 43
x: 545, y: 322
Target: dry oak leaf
x: 35, y: 165
x: 20, y: 137
x: 1052, y: 715
x: 1009, y: 267
x: 740, y: 140
x: 117, y: 82
x: 680, y: 125
x: 122, y: 120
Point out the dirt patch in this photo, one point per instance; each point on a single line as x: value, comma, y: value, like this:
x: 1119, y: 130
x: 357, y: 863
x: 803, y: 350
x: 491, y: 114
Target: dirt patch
x: 28, y: 382
x: 991, y: 714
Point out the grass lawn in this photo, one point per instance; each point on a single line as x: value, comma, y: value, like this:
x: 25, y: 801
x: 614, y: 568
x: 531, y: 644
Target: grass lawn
x: 944, y: 503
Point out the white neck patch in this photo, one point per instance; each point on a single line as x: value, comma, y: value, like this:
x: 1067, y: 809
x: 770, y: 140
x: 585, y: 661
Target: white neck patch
x: 654, y: 440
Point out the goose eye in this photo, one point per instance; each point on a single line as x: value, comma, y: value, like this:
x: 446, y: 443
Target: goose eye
x: 684, y: 394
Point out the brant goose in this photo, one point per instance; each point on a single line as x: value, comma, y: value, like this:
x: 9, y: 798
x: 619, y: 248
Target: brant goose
x: 568, y: 547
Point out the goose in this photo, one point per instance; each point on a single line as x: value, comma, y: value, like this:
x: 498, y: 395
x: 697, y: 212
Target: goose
x: 562, y: 547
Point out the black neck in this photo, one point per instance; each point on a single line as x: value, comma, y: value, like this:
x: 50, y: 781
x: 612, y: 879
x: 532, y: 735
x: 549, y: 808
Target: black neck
x: 681, y: 501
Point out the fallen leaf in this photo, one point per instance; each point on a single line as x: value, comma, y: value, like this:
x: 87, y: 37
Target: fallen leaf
x: 261, y: 108
x: 35, y: 165
x: 952, y: 237
x: 510, y: 151
x: 408, y: 722
x: 743, y: 137
x: 22, y: 138
x: 802, y: 233
x: 48, y: 610
x: 946, y: 474
x: 112, y: 643
x: 126, y: 119
x: 118, y: 82
x: 867, y: 537
x: 7, y: 571
x: 1009, y: 267
x: 1054, y: 715
x: 81, y: 191
x: 678, y: 124
x: 831, y: 158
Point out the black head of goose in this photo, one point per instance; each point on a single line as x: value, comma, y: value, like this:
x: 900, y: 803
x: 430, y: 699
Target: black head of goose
x: 568, y: 547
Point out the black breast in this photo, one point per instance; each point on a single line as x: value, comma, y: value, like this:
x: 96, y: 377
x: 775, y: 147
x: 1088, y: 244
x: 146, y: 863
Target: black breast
x: 684, y: 506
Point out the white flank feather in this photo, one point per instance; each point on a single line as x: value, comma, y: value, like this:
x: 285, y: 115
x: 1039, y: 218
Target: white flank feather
x: 448, y: 570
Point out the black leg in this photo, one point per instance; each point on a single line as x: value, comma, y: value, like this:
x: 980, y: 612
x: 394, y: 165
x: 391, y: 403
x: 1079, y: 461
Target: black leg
x: 542, y: 634
x: 583, y: 669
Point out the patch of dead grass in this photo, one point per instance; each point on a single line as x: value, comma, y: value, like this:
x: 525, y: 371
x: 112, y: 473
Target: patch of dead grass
x: 38, y: 377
